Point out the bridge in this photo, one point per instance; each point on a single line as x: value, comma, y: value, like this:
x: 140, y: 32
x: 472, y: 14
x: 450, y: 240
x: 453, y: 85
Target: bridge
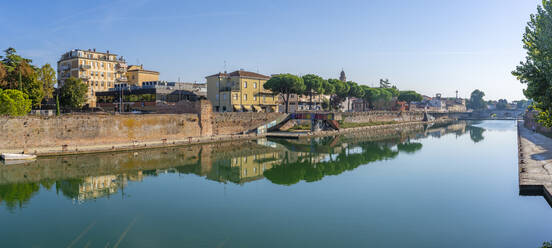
x: 507, y: 114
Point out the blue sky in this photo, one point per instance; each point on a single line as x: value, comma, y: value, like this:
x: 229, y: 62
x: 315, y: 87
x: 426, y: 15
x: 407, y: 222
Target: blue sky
x: 431, y: 46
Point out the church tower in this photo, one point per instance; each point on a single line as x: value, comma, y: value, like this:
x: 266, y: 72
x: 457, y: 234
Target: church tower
x: 342, y: 76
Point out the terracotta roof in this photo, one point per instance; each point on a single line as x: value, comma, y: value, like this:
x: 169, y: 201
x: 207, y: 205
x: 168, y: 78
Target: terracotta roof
x: 241, y: 73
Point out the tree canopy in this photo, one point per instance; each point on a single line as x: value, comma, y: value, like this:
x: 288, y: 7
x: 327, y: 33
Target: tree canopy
x: 409, y: 96
x: 73, y: 93
x: 18, y: 73
x: 476, y: 101
x: 285, y: 84
x: 536, y: 70
x: 14, y: 103
x: 313, y: 85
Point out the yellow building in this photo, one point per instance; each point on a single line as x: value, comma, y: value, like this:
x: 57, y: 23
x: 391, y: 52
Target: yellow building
x: 136, y: 75
x: 240, y: 91
x: 99, y: 70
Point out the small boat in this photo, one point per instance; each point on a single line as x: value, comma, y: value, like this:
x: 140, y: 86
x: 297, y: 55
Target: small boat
x: 16, y: 156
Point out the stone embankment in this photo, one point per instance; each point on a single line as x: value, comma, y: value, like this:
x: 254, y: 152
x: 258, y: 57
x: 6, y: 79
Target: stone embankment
x: 87, y: 133
x: 535, y: 163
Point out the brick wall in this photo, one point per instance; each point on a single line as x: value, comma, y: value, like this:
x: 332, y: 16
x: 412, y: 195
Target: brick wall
x: 78, y: 130
x: 237, y: 122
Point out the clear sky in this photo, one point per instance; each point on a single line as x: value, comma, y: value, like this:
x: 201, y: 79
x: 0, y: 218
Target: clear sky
x: 431, y: 46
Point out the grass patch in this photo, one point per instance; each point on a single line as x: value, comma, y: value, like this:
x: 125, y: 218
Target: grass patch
x: 301, y: 128
x: 365, y: 124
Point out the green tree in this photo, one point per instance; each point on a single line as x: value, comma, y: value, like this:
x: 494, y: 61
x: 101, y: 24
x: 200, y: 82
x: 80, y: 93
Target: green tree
x: 285, y: 84
x: 367, y: 93
x: 409, y: 96
x: 355, y: 91
x: 21, y: 75
x: 328, y: 89
x: 536, y: 70
x: 313, y: 85
x: 72, y: 93
x: 3, y: 73
x: 47, y: 77
x: 57, y: 105
x: 476, y: 101
x: 502, y: 104
x: 341, y: 92
x: 14, y: 103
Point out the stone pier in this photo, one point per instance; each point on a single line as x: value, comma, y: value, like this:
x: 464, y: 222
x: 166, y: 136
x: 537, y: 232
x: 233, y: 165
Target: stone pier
x: 535, y: 163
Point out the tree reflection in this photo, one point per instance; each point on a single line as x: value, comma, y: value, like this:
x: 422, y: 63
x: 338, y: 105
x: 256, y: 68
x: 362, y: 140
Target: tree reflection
x: 306, y: 168
x: 16, y: 195
x: 409, y: 147
x: 476, y: 133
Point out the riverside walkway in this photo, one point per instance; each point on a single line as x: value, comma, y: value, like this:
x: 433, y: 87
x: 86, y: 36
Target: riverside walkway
x: 535, y: 163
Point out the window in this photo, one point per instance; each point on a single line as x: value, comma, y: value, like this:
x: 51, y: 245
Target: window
x: 224, y: 96
x: 254, y: 85
x: 102, y: 64
x: 254, y: 98
x: 217, y: 96
x: 235, y: 96
x: 264, y: 98
x: 245, y: 97
x: 245, y: 84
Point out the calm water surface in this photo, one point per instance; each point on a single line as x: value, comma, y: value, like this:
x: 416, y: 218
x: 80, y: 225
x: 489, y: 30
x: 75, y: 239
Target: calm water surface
x: 440, y: 186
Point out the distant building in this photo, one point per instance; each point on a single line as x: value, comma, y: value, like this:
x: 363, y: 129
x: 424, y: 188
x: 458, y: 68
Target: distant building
x: 150, y: 96
x: 301, y: 103
x: 240, y: 91
x: 98, y: 70
x: 136, y: 75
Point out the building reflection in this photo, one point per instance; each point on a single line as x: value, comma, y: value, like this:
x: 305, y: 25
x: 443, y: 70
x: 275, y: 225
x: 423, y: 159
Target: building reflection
x: 286, y: 162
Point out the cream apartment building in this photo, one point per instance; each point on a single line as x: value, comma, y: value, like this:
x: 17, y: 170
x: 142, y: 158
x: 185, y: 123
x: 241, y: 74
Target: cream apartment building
x: 98, y: 70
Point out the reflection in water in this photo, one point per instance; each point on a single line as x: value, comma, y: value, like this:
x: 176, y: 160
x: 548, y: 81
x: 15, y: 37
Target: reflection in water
x: 284, y: 162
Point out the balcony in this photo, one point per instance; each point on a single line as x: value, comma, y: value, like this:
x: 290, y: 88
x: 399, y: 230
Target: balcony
x: 84, y: 67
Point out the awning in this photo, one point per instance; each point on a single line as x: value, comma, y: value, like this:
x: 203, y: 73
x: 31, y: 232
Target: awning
x: 258, y: 109
x: 237, y: 107
x: 247, y: 108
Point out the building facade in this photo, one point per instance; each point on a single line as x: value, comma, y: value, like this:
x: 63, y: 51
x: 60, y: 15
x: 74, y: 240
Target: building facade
x: 98, y: 70
x: 136, y: 75
x: 240, y: 91
x: 150, y: 97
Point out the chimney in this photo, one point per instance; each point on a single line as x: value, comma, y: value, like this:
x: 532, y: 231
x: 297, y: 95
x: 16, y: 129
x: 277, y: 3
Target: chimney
x: 107, y: 51
x: 94, y: 49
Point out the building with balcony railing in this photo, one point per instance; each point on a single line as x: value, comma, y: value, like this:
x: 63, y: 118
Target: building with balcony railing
x: 240, y: 91
x: 98, y: 70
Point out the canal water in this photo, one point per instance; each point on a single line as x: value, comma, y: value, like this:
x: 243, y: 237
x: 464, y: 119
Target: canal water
x: 434, y: 186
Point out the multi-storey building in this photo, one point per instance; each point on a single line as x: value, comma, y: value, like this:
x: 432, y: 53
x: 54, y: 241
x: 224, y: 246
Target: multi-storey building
x: 136, y: 75
x: 240, y: 91
x: 98, y: 70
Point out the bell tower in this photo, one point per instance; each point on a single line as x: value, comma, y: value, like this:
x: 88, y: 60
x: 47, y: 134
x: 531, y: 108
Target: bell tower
x: 342, y: 76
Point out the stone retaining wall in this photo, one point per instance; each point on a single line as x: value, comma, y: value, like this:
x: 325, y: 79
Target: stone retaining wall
x: 237, y: 122
x: 382, y: 116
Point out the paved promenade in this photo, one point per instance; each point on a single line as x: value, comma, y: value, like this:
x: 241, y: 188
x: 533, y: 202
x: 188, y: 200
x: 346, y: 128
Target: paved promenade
x: 535, y: 163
